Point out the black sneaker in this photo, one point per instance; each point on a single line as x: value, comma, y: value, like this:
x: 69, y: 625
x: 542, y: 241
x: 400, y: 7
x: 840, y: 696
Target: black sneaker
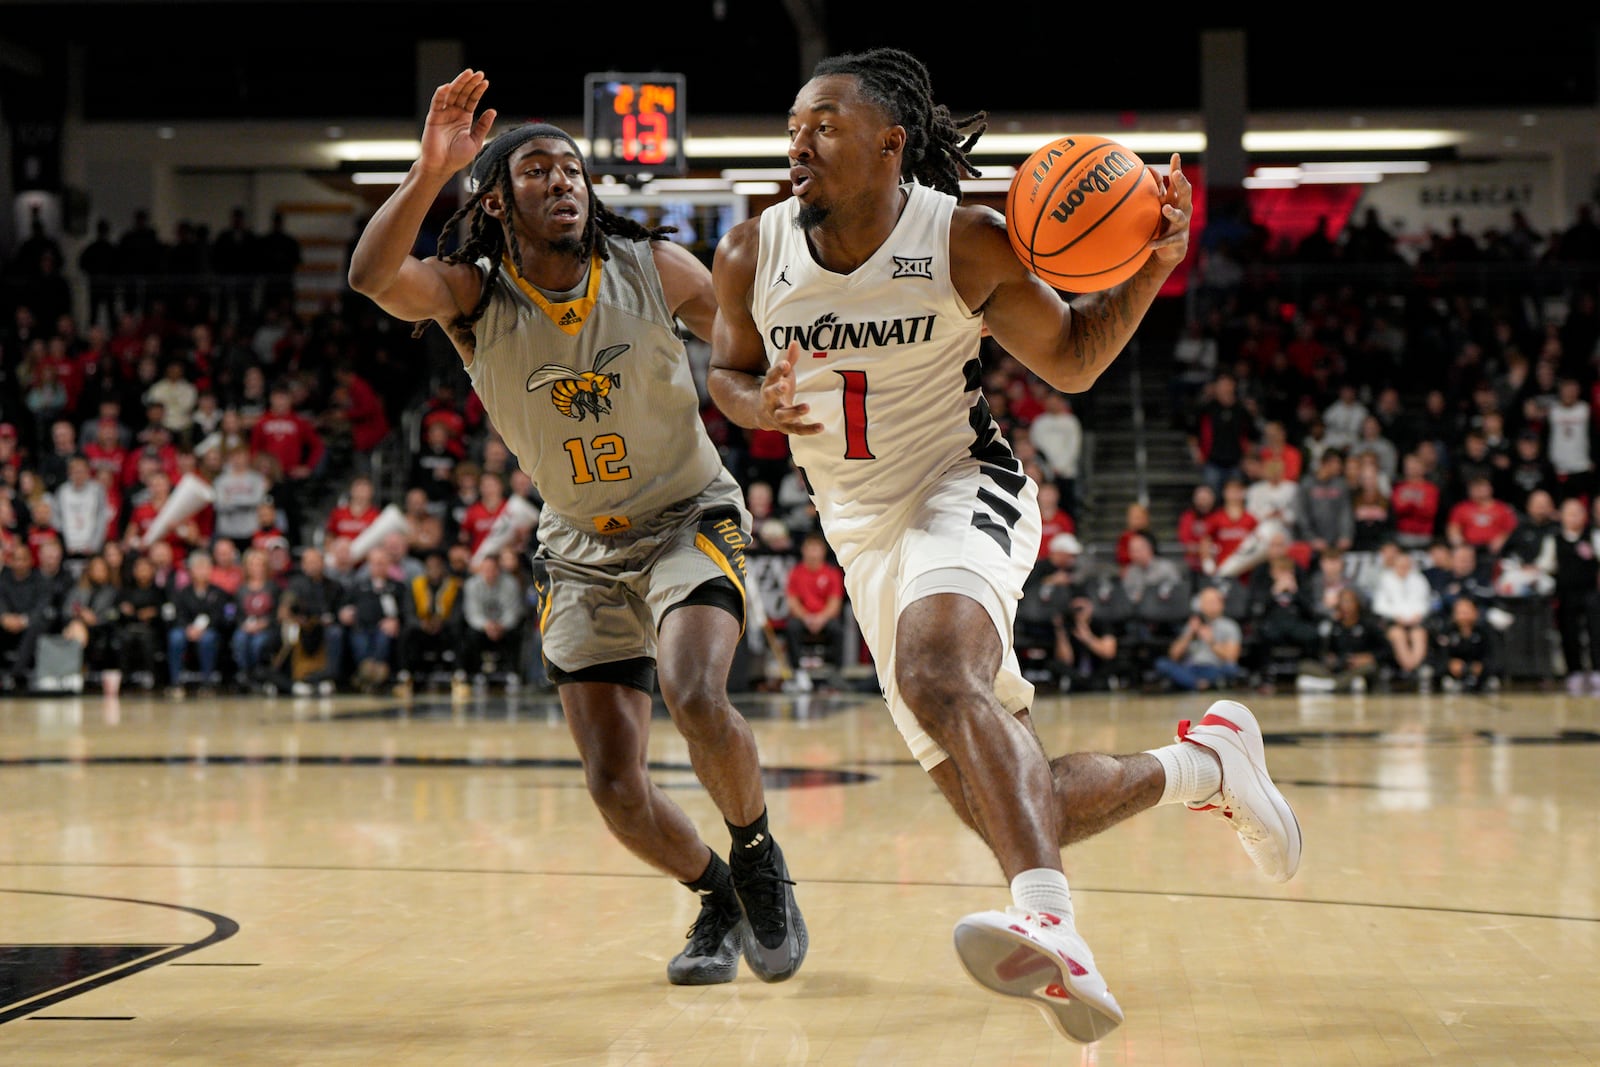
x: 775, y: 937
x: 712, y: 955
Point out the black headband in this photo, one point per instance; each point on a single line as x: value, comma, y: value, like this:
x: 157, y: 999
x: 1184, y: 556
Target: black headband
x: 502, y: 146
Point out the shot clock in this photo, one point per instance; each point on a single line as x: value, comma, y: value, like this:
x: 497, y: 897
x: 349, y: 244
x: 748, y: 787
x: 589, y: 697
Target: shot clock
x: 635, y: 123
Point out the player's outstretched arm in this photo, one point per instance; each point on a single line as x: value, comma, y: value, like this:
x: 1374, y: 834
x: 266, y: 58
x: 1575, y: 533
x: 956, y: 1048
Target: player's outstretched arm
x: 382, y: 265
x: 1068, y: 345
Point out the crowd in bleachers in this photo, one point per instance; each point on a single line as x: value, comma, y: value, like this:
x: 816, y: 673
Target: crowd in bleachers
x: 1394, y: 484
x: 1386, y: 477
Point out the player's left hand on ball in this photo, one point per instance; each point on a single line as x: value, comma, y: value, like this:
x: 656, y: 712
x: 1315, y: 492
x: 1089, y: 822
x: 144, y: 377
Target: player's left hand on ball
x: 1177, y: 204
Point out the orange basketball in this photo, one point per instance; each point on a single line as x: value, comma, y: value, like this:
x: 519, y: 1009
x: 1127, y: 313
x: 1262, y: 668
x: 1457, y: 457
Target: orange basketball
x: 1081, y: 212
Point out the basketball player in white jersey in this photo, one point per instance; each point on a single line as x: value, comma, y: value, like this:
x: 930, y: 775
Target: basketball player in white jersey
x: 850, y: 317
x: 564, y: 315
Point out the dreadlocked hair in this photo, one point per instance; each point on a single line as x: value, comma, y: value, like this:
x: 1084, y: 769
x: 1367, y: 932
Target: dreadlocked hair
x: 936, y: 152
x: 487, y: 238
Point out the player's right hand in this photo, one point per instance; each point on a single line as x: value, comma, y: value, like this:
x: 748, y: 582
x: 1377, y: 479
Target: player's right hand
x: 777, y: 397
x: 451, y: 136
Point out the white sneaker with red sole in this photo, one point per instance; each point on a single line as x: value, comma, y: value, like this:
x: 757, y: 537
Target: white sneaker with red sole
x: 1253, y: 806
x: 1042, y: 960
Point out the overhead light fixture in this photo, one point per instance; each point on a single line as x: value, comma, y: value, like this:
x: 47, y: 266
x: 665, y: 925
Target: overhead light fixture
x: 1380, y: 166
x: 377, y: 177
x: 985, y: 185
x: 755, y: 174
x: 1163, y: 142
x: 1350, y: 140
x: 367, y: 151
x: 1340, y: 177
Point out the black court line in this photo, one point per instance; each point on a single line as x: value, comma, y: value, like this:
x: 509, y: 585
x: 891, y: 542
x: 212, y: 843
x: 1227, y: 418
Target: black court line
x: 879, y: 883
x: 80, y: 1018
x: 222, y: 928
x: 773, y: 777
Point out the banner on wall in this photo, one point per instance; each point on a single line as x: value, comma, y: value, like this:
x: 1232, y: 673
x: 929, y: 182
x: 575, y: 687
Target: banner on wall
x: 1482, y: 195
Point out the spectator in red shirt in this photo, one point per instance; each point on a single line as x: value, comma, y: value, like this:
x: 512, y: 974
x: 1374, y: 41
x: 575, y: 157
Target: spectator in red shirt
x: 287, y: 436
x: 1481, y: 520
x: 1230, y: 525
x: 155, y: 443
x: 1055, y: 520
x: 357, y: 403
x: 105, y: 452
x: 1414, y: 504
x: 481, y: 513
x: 227, y: 568
x: 269, y: 528
x: 42, y: 525
x: 295, y: 446
x: 184, y: 537
x: 1192, y: 535
x: 815, y: 596
x: 1275, y: 444
x: 355, y: 513
x: 767, y: 452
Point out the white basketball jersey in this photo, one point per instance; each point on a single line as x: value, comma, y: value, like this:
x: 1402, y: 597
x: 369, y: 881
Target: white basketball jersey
x: 889, y: 364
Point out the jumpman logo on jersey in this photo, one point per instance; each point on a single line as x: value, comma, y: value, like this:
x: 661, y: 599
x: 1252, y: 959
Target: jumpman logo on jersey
x: 783, y: 276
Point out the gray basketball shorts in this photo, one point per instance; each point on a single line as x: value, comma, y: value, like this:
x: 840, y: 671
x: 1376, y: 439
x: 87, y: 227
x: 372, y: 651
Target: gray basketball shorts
x: 601, y: 599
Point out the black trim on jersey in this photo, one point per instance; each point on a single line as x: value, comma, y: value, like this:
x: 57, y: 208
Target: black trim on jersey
x: 1000, y: 508
x: 990, y: 449
x: 972, y: 371
x: 993, y: 529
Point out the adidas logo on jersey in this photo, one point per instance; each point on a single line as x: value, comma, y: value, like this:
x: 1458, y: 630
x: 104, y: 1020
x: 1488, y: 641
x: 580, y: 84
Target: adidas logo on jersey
x: 571, y: 318
x: 609, y: 524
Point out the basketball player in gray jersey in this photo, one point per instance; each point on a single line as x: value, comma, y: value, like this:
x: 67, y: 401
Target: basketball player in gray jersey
x: 565, y: 317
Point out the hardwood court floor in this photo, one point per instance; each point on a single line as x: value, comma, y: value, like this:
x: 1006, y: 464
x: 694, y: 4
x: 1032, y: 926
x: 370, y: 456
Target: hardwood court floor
x: 356, y: 881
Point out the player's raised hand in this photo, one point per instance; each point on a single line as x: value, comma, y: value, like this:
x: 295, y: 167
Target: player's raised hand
x: 777, y: 397
x: 451, y: 136
x: 1177, y: 204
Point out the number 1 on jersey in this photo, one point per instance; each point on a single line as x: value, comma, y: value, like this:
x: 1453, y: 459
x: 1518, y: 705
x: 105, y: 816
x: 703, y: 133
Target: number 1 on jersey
x: 855, y: 414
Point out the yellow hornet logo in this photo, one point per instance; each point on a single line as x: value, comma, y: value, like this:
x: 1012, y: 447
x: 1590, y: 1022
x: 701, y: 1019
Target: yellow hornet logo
x: 589, y: 393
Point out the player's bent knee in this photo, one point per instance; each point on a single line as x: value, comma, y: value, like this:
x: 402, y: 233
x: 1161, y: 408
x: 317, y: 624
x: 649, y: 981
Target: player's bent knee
x: 938, y: 698
x: 619, y: 794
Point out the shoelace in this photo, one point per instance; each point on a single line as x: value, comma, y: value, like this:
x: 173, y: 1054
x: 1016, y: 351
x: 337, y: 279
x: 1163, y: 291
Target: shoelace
x: 709, y: 928
x: 761, y: 887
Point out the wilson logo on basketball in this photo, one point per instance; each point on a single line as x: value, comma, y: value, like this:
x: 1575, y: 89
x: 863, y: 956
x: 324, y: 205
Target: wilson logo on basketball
x: 1099, y: 179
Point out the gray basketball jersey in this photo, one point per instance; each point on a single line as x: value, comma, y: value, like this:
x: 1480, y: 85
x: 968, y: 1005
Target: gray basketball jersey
x: 595, y: 396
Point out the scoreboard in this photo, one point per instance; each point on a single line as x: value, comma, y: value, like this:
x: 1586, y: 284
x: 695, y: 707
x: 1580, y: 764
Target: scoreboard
x: 635, y: 123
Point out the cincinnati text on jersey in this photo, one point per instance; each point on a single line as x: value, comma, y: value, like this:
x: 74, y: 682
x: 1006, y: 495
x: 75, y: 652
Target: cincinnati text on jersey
x: 827, y: 334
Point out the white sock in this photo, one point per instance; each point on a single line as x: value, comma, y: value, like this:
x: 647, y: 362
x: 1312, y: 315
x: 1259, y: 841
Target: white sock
x: 1043, y: 889
x: 1193, y: 772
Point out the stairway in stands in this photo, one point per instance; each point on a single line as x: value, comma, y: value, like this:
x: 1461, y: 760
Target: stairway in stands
x: 1135, y: 453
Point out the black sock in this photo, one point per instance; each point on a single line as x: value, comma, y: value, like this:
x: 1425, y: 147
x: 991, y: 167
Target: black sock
x: 716, y: 880
x: 751, y: 841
